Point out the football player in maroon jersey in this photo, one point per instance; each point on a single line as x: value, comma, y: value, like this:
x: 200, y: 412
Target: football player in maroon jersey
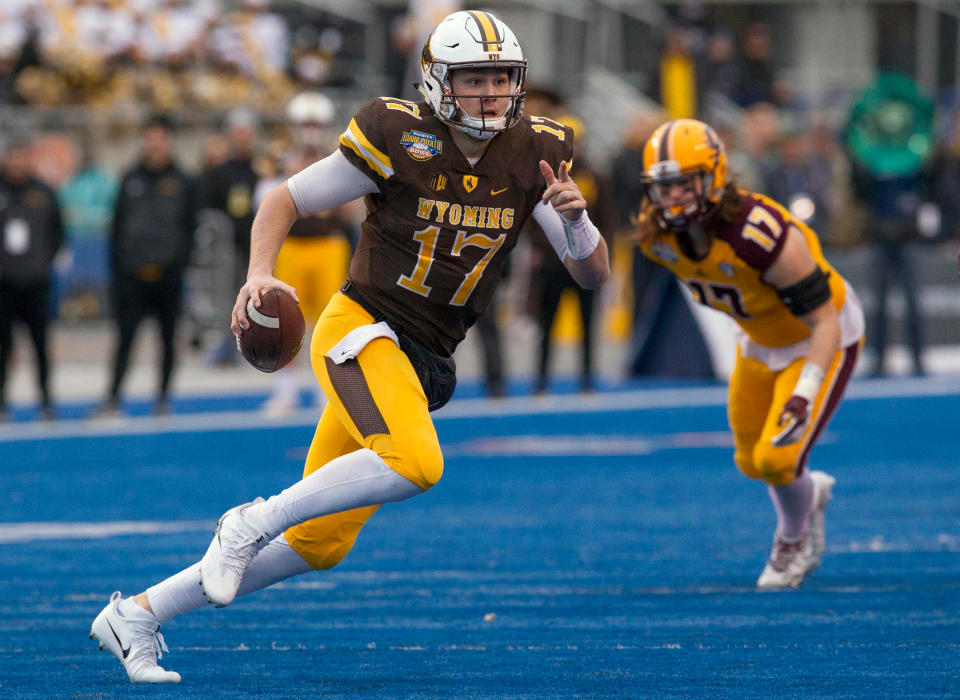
x: 448, y: 183
x: 799, y: 325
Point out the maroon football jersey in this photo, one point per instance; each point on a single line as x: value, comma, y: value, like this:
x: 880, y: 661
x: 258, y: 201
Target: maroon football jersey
x: 438, y: 231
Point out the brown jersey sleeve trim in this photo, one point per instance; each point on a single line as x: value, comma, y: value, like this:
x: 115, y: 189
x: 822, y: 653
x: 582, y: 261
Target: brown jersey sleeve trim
x: 352, y: 390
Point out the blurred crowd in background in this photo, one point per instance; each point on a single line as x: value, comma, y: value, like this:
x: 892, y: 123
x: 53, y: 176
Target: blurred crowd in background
x: 166, y: 54
x: 156, y: 64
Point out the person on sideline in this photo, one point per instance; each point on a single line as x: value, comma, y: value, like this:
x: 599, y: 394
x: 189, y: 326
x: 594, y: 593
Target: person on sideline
x: 799, y: 324
x: 449, y: 182
x: 31, y: 233
x: 152, y: 237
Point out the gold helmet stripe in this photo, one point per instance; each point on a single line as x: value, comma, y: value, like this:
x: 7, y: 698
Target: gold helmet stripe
x: 488, y: 30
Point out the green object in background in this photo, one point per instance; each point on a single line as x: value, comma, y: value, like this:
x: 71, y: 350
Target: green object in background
x: 890, y: 131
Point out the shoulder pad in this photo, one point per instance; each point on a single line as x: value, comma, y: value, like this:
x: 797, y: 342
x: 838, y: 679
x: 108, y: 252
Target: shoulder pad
x: 758, y: 234
x: 364, y: 141
x: 553, y: 139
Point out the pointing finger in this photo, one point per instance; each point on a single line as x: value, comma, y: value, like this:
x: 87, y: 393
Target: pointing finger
x: 563, y: 172
x: 547, y: 172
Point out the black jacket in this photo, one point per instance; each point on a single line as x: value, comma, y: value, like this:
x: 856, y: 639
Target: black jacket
x: 154, y: 221
x: 229, y: 188
x: 31, y: 232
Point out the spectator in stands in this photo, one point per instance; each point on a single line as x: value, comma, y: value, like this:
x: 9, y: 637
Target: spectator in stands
x: 718, y: 71
x: 411, y: 32
x: 88, y: 199
x: 172, y: 35
x: 889, y: 135
x: 229, y: 188
x: 216, y: 152
x: 756, y: 80
x: 15, y: 31
x: 678, y: 75
x: 946, y: 182
x: 152, y: 236
x: 753, y: 146
x: 31, y: 232
x: 794, y: 178
x: 254, y: 41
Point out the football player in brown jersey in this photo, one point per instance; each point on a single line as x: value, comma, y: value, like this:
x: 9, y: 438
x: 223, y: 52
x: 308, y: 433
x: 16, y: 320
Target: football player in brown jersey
x: 799, y: 325
x: 448, y: 184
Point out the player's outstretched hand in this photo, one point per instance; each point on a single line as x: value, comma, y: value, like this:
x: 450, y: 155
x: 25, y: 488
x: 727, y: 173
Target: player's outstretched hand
x: 252, y: 290
x: 795, y: 414
x: 562, y: 192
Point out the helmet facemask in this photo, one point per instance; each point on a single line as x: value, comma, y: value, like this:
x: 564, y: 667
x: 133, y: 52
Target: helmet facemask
x: 679, y: 198
x: 450, y: 110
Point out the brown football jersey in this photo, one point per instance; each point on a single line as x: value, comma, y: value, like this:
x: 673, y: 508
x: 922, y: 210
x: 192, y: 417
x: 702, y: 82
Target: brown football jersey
x: 438, y: 231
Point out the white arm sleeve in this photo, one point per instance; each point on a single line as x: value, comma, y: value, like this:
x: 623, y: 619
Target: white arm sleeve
x: 327, y: 184
x: 577, y: 239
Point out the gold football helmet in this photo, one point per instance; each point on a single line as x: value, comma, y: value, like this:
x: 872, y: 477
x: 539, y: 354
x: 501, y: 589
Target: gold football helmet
x: 684, y: 172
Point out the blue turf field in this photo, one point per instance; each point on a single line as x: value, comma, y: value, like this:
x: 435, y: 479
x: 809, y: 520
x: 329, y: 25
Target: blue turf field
x: 570, y: 550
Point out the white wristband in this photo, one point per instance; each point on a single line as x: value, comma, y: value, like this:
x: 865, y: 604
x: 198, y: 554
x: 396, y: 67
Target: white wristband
x: 808, y: 385
x: 582, y: 236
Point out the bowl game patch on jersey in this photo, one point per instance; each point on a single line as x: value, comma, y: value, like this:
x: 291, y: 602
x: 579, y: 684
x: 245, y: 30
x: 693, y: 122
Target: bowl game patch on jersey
x: 420, y: 145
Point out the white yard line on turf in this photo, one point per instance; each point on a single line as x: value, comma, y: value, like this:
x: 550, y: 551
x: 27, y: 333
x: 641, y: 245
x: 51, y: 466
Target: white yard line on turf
x: 634, y: 400
x: 11, y: 533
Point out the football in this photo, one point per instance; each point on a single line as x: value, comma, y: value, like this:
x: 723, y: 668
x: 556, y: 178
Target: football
x: 275, y: 333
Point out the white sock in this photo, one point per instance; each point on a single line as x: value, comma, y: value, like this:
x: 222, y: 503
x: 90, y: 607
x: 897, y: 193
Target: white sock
x: 350, y: 481
x: 182, y: 593
x: 127, y: 608
x: 178, y: 594
x: 794, y: 503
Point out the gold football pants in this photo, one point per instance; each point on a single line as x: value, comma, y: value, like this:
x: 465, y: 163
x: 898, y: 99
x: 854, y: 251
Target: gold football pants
x: 757, y: 396
x: 375, y: 401
x: 315, y: 267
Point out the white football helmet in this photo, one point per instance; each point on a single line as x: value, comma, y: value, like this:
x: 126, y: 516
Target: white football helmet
x: 310, y: 114
x: 464, y: 40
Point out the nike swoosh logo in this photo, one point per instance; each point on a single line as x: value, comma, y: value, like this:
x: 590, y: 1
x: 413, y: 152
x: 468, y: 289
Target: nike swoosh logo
x: 496, y: 192
x: 126, y: 652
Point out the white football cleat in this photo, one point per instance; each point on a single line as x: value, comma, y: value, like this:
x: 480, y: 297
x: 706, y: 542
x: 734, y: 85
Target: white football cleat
x: 280, y: 406
x: 822, y: 493
x: 790, y: 562
x: 235, y: 544
x: 134, y: 639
